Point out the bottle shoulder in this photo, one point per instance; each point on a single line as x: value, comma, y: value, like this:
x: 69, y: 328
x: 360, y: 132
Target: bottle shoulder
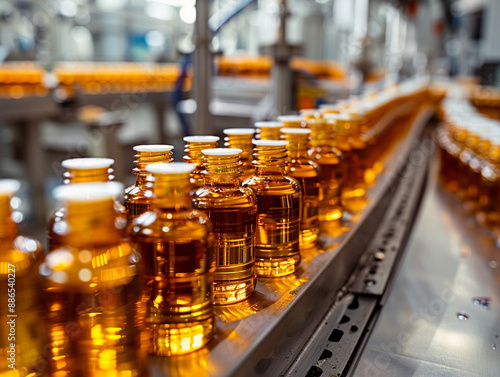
x: 275, y: 185
x: 209, y: 196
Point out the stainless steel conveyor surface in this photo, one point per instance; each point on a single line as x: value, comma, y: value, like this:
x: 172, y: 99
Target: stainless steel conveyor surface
x: 422, y: 328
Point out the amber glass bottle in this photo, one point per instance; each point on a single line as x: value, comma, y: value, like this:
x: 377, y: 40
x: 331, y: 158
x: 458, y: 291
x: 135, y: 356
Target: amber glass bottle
x: 82, y: 170
x: 176, y: 244
x: 134, y: 197
x: 193, y: 155
x: 306, y: 172
x: 241, y: 138
x: 92, y: 289
x: 20, y: 333
x: 279, y: 202
x: 329, y: 158
x: 268, y: 130
x: 233, y: 212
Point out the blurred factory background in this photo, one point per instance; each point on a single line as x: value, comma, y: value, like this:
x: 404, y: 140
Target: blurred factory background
x: 95, y: 77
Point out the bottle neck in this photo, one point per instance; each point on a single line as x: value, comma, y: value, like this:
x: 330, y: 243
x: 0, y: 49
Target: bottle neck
x: 171, y: 191
x: 142, y: 159
x: 323, y: 135
x: 298, y: 145
x: 270, y: 133
x: 270, y: 160
x: 91, y: 216
x: 222, y: 170
x: 7, y: 226
x: 193, y: 154
x: 243, y: 142
x: 89, y: 175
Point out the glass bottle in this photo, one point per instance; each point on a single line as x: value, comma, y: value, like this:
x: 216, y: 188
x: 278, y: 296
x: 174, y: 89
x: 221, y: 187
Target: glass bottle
x: 329, y: 158
x: 233, y: 212
x: 193, y: 155
x: 291, y: 121
x: 268, y: 130
x: 92, y: 289
x: 176, y: 244
x: 306, y: 172
x: 82, y: 170
x: 20, y: 333
x: 135, y: 199
x: 279, y: 202
x: 310, y: 114
x: 241, y: 138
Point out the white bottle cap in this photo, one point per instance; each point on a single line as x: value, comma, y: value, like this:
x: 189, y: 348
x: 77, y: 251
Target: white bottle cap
x: 221, y: 151
x: 153, y: 148
x: 172, y: 168
x: 301, y: 131
x: 270, y: 143
x: 88, y: 163
x: 88, y: 192
x: 201, y: 139
x: 290, y: 118
x: 239, y: 131
x: 9, y: 186
x: 270, y: 124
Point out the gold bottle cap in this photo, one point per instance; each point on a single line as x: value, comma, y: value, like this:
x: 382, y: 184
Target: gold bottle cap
x: 238, y: 131
x: 301, y: 131
x: 9, y: 186
x: 201, y: 139
x: 269, y: 124
x: 87, y: 163
x: 221, y: 151
x: 153, y: 148
x: 270, y: 143
x: 88, y: 192
x: 172, y: 168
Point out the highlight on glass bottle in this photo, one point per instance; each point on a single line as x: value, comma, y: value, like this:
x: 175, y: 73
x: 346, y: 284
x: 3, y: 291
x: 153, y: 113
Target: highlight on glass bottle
x: 176, y: 244
x: 306, y: 172
x: 20, y: 313
x: 290, y: 121
x: 192, y: 155
x: 92, y: 289
x: 233, y: 212
x: 331, y: 167
x: 135, y: 199
x: 81, y: 170
x: 241, y: 138
x: 268, y: 130
x: 279, y: 202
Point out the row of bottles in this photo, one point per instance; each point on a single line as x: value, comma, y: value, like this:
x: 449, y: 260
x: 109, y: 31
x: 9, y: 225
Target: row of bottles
x: 470, y: 160
x: 120, y: 281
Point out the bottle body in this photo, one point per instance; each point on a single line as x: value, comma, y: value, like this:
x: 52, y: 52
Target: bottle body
x: 233, y: 211
x: 176, y: 250
x: 176, y: 245
x: 279, y: 200
x: 91, y: 295
x: 331, y: 174
x: 307, y: 174
x: 20, y: 333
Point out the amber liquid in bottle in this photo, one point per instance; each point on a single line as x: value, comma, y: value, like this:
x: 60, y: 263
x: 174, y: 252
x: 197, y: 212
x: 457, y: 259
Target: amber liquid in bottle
x: 279, y: 203
x: 176, y: 244
x: 291, y: 121
x: 233, y: 212
x: 92, y: 290
x: 268, y: 130
x: 20, y: 306
x: 331, y: 169
x: 135, y: 199
x: 80, y: 170
x: 193, y: 155
x: 241, y: 138
x: 306, y: 172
